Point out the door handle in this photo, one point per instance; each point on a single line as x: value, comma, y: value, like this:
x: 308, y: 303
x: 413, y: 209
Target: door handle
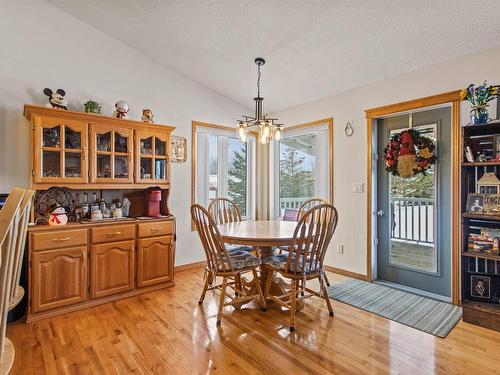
x: 380, y: 213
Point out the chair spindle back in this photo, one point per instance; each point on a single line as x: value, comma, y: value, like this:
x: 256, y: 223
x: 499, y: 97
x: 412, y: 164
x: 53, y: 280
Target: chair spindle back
x: 215, y: 250
x: 308, y: 204
x: 224, y: 211
x: 311, y: 238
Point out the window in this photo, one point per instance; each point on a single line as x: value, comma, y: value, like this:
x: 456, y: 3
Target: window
x: 224, y: 167
x: 302, y: 163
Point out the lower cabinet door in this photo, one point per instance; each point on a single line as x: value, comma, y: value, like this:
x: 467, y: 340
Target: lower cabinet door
x: 59, y: 278
x: 112, y: 268
x: 155, y: 258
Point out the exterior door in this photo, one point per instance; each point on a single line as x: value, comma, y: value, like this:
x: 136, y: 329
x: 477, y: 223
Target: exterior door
x: 414, y: 214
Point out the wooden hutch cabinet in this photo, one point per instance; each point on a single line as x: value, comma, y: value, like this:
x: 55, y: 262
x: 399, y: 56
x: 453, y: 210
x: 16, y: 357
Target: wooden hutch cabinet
x: 86, y: 263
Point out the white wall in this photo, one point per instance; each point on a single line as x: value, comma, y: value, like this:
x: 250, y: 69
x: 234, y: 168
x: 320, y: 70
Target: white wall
x: 350, y: 153
x: 40, y: 46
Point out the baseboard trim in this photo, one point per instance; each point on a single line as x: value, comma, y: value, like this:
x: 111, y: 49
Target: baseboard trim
x: 189, y: 266
x: 341, y: 272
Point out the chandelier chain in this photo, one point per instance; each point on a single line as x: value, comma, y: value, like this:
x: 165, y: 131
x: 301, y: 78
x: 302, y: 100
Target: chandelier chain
x: 258, y: 80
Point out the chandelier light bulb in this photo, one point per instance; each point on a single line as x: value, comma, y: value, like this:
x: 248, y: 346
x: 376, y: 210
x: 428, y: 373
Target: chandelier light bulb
x: 242, y: 130
x: 266, y: 129
x: 277, y: 133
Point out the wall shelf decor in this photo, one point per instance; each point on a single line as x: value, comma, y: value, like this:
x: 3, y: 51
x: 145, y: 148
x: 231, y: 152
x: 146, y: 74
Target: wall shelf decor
x: 480, y: 234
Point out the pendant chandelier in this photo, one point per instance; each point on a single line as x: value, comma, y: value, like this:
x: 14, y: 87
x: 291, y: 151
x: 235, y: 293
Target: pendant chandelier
x: 268, y: 128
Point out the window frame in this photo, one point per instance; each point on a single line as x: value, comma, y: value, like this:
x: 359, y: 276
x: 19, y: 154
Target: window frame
x: 253, y: 183
x: 274, y: 159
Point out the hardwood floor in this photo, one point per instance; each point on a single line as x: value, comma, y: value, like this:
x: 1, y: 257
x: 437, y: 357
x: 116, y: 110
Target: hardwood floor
x: 166, y: 332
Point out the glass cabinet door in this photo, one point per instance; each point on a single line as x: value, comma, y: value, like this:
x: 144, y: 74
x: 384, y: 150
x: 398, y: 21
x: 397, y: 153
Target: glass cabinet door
x: 60, y: 151
x: 152, y: 157
x: 111, y: 154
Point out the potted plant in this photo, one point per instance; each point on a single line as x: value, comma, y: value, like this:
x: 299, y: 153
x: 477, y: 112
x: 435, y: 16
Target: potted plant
x: 479, y: 97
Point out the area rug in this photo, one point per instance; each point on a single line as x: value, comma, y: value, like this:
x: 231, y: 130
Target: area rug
x: 425, y: 314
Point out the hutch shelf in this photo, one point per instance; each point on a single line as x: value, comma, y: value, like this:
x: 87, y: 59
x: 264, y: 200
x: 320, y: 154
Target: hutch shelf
x: 480, y: 268
x: 86, y: 263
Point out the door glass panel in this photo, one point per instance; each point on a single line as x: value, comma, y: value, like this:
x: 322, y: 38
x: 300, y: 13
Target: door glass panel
x: 72, y: 165
x: 51, y: 164
x: 121, y: 143
x: 103, y: 142
x: 160, y: 169
x: 146, y: 168
x: 160, y: 147
x: 72, y: 139
x: 51, y: 137
x: 121, y: 167
x: 413, y: 217
x: 104, y: 166
x: 146, y: 146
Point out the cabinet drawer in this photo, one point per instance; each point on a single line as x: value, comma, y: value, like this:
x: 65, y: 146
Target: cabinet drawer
x: 157, y: 228
x: 113, y: 233
x: 55, y: 239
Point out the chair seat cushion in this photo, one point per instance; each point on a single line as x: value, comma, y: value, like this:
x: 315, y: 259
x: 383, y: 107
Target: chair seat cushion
x: 240, y: 260
x: 238, y: 248
x: 279, y: 262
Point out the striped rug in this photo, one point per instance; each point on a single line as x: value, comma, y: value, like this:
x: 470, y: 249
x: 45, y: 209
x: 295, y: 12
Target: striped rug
x: 425, y: 314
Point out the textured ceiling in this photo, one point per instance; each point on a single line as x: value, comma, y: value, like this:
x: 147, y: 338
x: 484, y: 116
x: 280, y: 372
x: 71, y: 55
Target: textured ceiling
x: 313, y: 48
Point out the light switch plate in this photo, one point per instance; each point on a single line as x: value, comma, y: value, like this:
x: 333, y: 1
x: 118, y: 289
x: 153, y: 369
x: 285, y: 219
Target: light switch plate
x: 340, y: 249
x: 357, y: 187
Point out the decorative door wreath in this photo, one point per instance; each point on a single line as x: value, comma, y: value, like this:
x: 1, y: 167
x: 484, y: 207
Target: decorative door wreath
x: 408, y: 154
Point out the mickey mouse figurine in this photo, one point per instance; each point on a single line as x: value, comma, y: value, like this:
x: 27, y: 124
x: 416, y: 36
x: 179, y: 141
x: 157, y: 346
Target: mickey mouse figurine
x: 57, y: 99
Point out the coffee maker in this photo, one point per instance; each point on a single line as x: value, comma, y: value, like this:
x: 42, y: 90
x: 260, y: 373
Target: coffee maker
x: 152, y: 203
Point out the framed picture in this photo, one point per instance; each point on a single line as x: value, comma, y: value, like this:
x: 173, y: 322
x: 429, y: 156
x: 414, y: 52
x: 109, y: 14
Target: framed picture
x: 480, y: 287
x: 475, y: 203
x: 491, y: 204
x: 178, y: 147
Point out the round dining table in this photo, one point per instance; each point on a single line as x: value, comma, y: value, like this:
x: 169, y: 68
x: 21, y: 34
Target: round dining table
x: 264, y: 235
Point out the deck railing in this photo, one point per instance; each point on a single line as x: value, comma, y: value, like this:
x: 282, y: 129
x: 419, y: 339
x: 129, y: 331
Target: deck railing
x: 413, y: 219
x: 292, y: 202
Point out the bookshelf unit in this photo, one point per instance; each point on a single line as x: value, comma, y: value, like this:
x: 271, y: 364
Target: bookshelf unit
x: 480, y: 270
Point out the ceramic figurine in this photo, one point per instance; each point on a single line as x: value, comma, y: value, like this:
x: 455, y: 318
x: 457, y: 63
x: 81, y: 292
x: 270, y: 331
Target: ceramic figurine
x: 122, y: 109
x: 92, y: 107
x: 147, y: 116
x: 58, y: 216
x: 56, y: 99
x: 126, y: 207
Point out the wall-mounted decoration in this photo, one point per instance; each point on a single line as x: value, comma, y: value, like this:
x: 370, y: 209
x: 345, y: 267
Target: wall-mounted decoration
x: 479, y: 97
x: 348, y: 130
x: 92, y: 106
x: 56, y: 99
x: 488, y: 184
x: 121, y: 110
x: 147, y: 116
x: 408, y: 154
x: 178, y: 148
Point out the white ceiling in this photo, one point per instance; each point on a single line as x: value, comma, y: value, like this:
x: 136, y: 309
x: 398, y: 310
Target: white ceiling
x: 313, y: 48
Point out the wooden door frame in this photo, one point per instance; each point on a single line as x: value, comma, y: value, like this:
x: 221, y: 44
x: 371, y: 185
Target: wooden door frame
x: 452, y: 97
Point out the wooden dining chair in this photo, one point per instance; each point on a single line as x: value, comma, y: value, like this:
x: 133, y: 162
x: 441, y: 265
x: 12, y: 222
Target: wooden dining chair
x: 11, y: 240
x: 229, y: 266
x: 225, y: 211
x: 310, y: 243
